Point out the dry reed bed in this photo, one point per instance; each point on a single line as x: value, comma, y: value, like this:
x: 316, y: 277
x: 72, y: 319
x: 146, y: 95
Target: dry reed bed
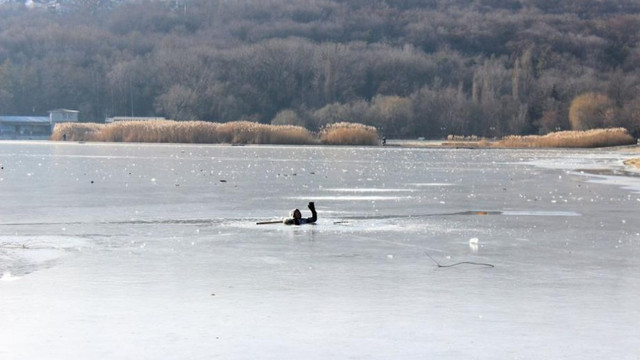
x: 633, y: 162
x: 570, y: 139
x: 76, y: 131
x: 344, y: 133
x: 238, y: 132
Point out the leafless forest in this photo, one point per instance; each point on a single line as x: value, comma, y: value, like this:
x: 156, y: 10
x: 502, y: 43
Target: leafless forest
x: 412, y: 68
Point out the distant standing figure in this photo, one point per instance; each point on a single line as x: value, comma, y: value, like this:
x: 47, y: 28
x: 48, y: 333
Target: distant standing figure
x: 64, y: 137
x: 297, y: 219
x: 384, y: 140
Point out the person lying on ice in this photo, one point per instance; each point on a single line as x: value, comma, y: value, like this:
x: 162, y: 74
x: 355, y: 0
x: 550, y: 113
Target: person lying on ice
x: 297, y: 219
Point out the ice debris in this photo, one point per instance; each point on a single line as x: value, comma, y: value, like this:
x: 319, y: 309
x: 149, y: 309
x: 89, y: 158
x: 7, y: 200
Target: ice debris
x: 6, y: 276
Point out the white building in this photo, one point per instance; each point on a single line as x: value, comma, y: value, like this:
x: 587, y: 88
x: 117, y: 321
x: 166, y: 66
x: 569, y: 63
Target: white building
x: 63, y: 115
x: 34, y: 127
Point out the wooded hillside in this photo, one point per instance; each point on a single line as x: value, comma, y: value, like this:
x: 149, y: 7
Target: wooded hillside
x: 409, y: 67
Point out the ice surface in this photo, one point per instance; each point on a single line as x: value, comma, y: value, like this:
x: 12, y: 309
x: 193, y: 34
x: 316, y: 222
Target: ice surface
x: 153, y: 252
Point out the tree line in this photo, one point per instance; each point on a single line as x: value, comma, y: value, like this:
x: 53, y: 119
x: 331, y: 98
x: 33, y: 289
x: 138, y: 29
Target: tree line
x: 412, y: 68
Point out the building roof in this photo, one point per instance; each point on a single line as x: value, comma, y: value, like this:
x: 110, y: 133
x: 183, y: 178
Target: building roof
x: 133, y: 118
x: 63, y: 110
x: 25, y: 119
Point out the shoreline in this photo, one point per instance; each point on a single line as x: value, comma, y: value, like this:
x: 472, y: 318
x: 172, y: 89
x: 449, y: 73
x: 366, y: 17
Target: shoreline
x: 432, y: 144
x: 444, y: 144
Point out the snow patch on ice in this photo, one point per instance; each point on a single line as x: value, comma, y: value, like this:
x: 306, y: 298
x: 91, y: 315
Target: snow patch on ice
x: 25, y: 254
x: 6, y: 276
x: 605, y: 168
x: 335, y: 225
x: 353, y: 198
x: 541, y: 213
x: 369, y: 190
x: 43, y: 242
x: 430, y: 184
x: 625, y: 182
x: 587, y: 161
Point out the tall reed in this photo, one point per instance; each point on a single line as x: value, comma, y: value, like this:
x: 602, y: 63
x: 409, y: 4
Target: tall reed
x: 77, y: 131
x: 633, y: 162
x: 571, y: 139
x: 344, y: 133
x: 167, y: 131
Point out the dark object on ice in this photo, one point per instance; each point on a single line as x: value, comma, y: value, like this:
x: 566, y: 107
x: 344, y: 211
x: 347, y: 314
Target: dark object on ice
x: 384, y: 140
x: 64, y: 137
x: 297, y: 219
x: 459, y: 263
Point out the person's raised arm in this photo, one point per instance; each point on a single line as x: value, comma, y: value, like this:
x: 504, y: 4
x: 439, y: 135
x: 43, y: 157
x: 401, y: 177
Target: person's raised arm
x: 314, y: 214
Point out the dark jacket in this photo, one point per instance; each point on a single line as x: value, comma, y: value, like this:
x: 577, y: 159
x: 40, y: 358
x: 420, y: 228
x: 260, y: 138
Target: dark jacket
x: 301, y: 221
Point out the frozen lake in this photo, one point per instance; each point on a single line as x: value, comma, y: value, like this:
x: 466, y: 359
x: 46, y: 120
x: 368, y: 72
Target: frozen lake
x: 152, y: 252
